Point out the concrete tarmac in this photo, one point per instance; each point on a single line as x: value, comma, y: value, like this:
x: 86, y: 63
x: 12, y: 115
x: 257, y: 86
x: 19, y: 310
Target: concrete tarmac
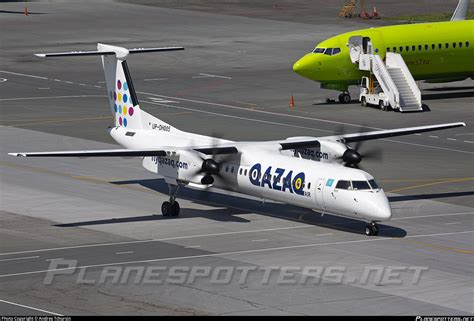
x: 98, y: 217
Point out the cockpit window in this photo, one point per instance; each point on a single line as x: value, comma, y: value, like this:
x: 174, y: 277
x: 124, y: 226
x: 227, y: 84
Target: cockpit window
x: 358, y: 185
x: 373, y: 184
x: 318, y: 50
x: 344, y: 185
x: 327, y: 51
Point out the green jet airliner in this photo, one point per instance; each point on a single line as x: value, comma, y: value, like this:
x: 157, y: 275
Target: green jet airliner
x: 435, y: 52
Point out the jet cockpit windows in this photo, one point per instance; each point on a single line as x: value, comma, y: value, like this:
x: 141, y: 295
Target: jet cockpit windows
x: 327, y: 51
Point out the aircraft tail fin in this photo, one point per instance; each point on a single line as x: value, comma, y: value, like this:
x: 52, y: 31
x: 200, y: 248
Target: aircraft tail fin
x: 461, y: 10
x: 121, y: 93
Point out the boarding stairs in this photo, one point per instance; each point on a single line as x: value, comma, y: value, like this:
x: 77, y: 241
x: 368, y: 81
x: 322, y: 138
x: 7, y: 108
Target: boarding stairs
x: 393, y: 76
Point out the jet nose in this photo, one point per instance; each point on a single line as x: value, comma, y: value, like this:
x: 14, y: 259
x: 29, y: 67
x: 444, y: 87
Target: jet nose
x: 304, y: 66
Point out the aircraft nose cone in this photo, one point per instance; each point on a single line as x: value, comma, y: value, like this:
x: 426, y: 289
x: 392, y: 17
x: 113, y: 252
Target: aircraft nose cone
x: 303, y: 66
x: 382, y: 208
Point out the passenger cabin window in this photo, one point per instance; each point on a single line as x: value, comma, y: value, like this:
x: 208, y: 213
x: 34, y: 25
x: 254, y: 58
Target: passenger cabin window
x: 413, y: 48
x: 407, y: 48
x: 394, y: 49
x: 454, y: 45
x: 344, y: 185
x: 388, y: 49
x: 440, y: 46
x: 401, y: 48
x: 426, y: 47
x: 419, y: 47
x: 460, y: 44
x: 433, y: 46
x: 447, y: 45
x: 467, y: 44
x: 245, y: 173
x: 360, y: 185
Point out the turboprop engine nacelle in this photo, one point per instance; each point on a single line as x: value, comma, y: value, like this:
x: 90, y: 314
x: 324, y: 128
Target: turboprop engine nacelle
x: 180, y: 165
x: 327, y: 152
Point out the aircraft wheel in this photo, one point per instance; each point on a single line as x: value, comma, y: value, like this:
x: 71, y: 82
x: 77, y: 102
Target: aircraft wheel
x: 363, y: 102
x: 166, y: 209
x: 176, y: 208
x: 344, y: 98
x: 372, y: 229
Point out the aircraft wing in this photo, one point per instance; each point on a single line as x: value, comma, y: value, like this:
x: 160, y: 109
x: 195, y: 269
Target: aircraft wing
x: 95, y: 153
x: 214, y: 150
x: 357, y: 137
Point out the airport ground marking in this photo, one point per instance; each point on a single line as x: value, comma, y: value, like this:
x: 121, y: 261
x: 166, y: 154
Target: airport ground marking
x: 224, y: 254
x: 20, y: 258
x: 431, y: 184
x: 31, y: 308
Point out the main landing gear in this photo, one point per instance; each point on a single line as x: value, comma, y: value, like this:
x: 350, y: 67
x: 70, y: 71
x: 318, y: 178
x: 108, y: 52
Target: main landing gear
x: 372, y: 229
x: 345, y: 97
x: 171, y: 208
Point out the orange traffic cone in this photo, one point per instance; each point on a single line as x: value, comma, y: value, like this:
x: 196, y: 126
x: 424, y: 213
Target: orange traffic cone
x: 26, y: 11
x: 292, y: 102
x: 375, y: 14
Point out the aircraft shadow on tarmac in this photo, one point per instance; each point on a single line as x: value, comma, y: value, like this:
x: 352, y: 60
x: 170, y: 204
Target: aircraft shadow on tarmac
x: 402, y: 198
x: 19, y: 12
x: 234, y: 205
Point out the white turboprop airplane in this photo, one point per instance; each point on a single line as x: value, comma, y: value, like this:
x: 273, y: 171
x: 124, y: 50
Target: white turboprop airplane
x: 318, y: 173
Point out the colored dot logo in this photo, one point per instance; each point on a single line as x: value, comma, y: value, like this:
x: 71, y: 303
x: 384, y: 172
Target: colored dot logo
x: 125, y: 98
x: 119, y: 84
x: 124, y: 110
x: 130, y: 111
x: 298, y: 183
x: 120, y: 96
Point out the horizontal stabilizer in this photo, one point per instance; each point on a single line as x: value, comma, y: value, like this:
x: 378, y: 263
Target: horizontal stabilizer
x: 123, y: 51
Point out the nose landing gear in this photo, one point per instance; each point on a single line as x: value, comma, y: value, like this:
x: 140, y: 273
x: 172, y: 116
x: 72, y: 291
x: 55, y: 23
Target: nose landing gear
x: 345, y: 97
x: 372, y: 229
x: 171, y: 208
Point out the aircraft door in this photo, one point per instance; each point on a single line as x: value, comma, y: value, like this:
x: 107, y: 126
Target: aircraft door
x: 319, y: 193
x: 355, y: 48
x: 359, y: 45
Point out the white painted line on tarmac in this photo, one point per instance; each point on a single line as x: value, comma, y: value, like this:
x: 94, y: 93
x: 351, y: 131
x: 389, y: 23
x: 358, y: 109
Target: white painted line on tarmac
x: 155, y: 79
x: 55, y: 259
x: 450, y: 138
x: 25, y: 75
x: 127, y: 252
x: 372, y: 239
x: 44, y: 88
x: 260, y: 240
x: 192, y: 247
x: 59, y: 80
x: 51, y: 97
x: 20, y: 258
x: 203, y: 75
x: 434, y: 215
x: 453, y: 223
x: 468, y: 141
x: 433, y: 136
x: 163, y: 239
x: 31, y: 308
